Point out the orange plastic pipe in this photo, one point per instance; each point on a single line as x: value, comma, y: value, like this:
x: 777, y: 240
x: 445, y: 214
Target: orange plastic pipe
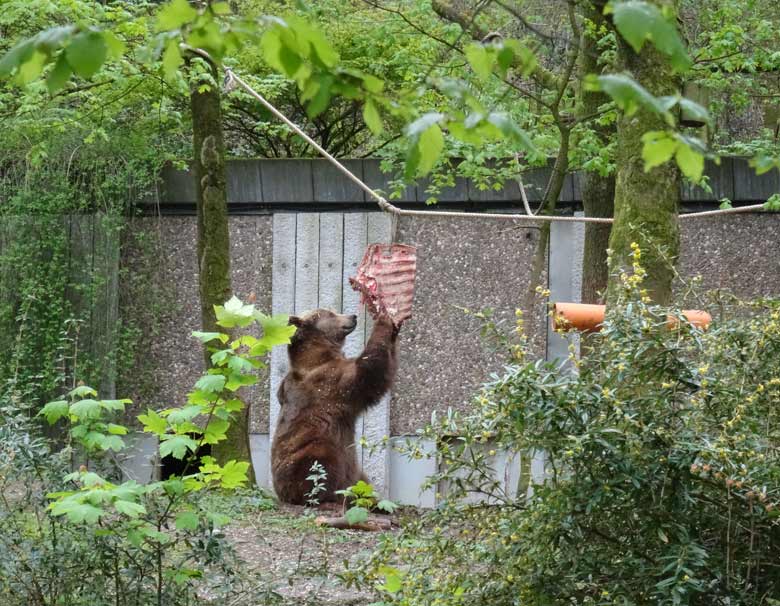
x: 589, y: 318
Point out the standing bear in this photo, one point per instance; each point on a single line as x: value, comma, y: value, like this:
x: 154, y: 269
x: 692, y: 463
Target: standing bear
x: 322, y: 395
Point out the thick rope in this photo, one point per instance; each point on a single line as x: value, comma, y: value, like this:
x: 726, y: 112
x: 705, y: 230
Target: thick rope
x: 232, y: 80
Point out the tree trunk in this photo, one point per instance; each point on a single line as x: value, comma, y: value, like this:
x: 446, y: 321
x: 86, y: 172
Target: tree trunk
x: 213, y: 246
x: 646, y: 203
x: 598, y: 192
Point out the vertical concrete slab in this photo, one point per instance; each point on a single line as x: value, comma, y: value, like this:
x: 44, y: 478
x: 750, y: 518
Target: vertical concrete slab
x: 331, y: 259
x: 376, y: 422
x: 139, y: 460
x: 565, y: 263
x: 307, y: 259
x: 407, y: 476
x: 282, y: 301
x: 355, y: 234
x: 260, y: 449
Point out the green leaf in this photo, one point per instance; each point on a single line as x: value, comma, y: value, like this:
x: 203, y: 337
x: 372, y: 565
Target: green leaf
x: 116, y: 47
x: 725, y: 204
x: 387, y: 506
x: 319, y: 102
x: 17, y: 56
x: 153, y: 423
x: 628, y: 94
x: 182, y: 415
x: 59, y: 75
x: 176, y: 445
x: 234, y: 474
x: 212, y: 383
x: 373, y: 84
x: 658, y: 147
x: 356, y: 515
x: 54, y: 411
x: 510, y: 130
x: 81, y: 391
x: 171, y: 60
x: 76, y: 511
x: 372, y: 118
x: 86, y: 53
x: 640, y: 21
x: 86, y: 409
x: 431, y: 144
x: 118, y: 430
x: 187, y: 520
x: 215, y: 431
x: 690, y: 161
x: 277, y: 330
x: 175, y: 14
x: 481, y: 59
x: 129, y: 508
x: 205, y: 337
x: 234, y: 313
x: 772, y: 203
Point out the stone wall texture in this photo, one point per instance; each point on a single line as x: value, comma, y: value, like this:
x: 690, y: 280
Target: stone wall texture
x: 461, y: 264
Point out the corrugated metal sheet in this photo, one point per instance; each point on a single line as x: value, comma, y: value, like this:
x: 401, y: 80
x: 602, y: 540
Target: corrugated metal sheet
x: 385, y: 280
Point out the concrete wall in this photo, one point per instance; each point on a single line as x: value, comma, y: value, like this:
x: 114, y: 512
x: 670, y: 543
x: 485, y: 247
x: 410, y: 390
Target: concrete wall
x: 461, y: 264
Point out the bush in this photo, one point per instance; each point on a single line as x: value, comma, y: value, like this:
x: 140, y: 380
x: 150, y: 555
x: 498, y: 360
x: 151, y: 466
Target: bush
x: 74, y: 533
x: 662, y: 474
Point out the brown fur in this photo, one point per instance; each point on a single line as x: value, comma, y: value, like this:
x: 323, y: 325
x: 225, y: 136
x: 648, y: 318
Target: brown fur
x: 322, y: 395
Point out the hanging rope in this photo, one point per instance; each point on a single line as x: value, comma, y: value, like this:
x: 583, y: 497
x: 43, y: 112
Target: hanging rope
x: 232, y: 80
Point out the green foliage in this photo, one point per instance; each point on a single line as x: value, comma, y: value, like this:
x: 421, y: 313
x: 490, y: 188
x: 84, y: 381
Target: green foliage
x: 362, y: 497
x: 639, y: 22
x: 152, y: 526
x: 661, y: 481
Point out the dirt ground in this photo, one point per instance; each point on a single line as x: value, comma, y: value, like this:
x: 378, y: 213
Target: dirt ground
x: 297, y: 561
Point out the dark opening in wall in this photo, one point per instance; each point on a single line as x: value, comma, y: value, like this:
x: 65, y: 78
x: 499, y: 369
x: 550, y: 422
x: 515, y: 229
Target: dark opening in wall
x: 171, y: 466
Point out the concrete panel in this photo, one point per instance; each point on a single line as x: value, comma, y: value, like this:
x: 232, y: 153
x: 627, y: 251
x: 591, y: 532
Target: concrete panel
x: 331, y: 260
x: 307, y: 260
x: 376, y: 179
x: 376, y: 422
x: 287, y: 180
x: 461, y: 263
x: 243, y: 182
x: 355, y: 235
x: 139, y: 460
x: 408, y: 475
x: 283, y: 295
x: 565, y: 277
x: 260, y: 448
x: 331, y: 185
x: 750, y: 187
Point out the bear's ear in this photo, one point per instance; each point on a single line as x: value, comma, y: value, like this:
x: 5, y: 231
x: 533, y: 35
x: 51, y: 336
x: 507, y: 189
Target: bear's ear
x: 295, y: 321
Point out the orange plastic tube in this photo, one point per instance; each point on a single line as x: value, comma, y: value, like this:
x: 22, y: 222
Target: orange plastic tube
x: 589, y: 318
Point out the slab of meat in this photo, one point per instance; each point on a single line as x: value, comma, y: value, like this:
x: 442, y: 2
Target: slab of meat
x: 385, y: 280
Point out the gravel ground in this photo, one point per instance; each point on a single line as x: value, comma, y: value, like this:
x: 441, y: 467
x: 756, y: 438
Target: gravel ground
x: 297, y: 560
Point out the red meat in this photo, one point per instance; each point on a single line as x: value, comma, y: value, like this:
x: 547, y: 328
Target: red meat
x: 385, y: 280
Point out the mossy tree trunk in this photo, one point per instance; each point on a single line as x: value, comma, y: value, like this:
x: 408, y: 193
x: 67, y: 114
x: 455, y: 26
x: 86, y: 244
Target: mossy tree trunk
x: 213, y: 246
x: 598, y: 191
x: 646, y: 203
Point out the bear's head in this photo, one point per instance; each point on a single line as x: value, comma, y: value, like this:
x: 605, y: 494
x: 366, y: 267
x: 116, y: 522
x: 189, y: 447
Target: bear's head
x: 323, y: 322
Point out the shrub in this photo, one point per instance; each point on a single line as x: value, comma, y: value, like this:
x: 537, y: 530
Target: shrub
x: 87, y: 537
x: 662, y: 474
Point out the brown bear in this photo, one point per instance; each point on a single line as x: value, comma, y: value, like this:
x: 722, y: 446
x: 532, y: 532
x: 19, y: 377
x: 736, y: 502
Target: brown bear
x: 322, y: 395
